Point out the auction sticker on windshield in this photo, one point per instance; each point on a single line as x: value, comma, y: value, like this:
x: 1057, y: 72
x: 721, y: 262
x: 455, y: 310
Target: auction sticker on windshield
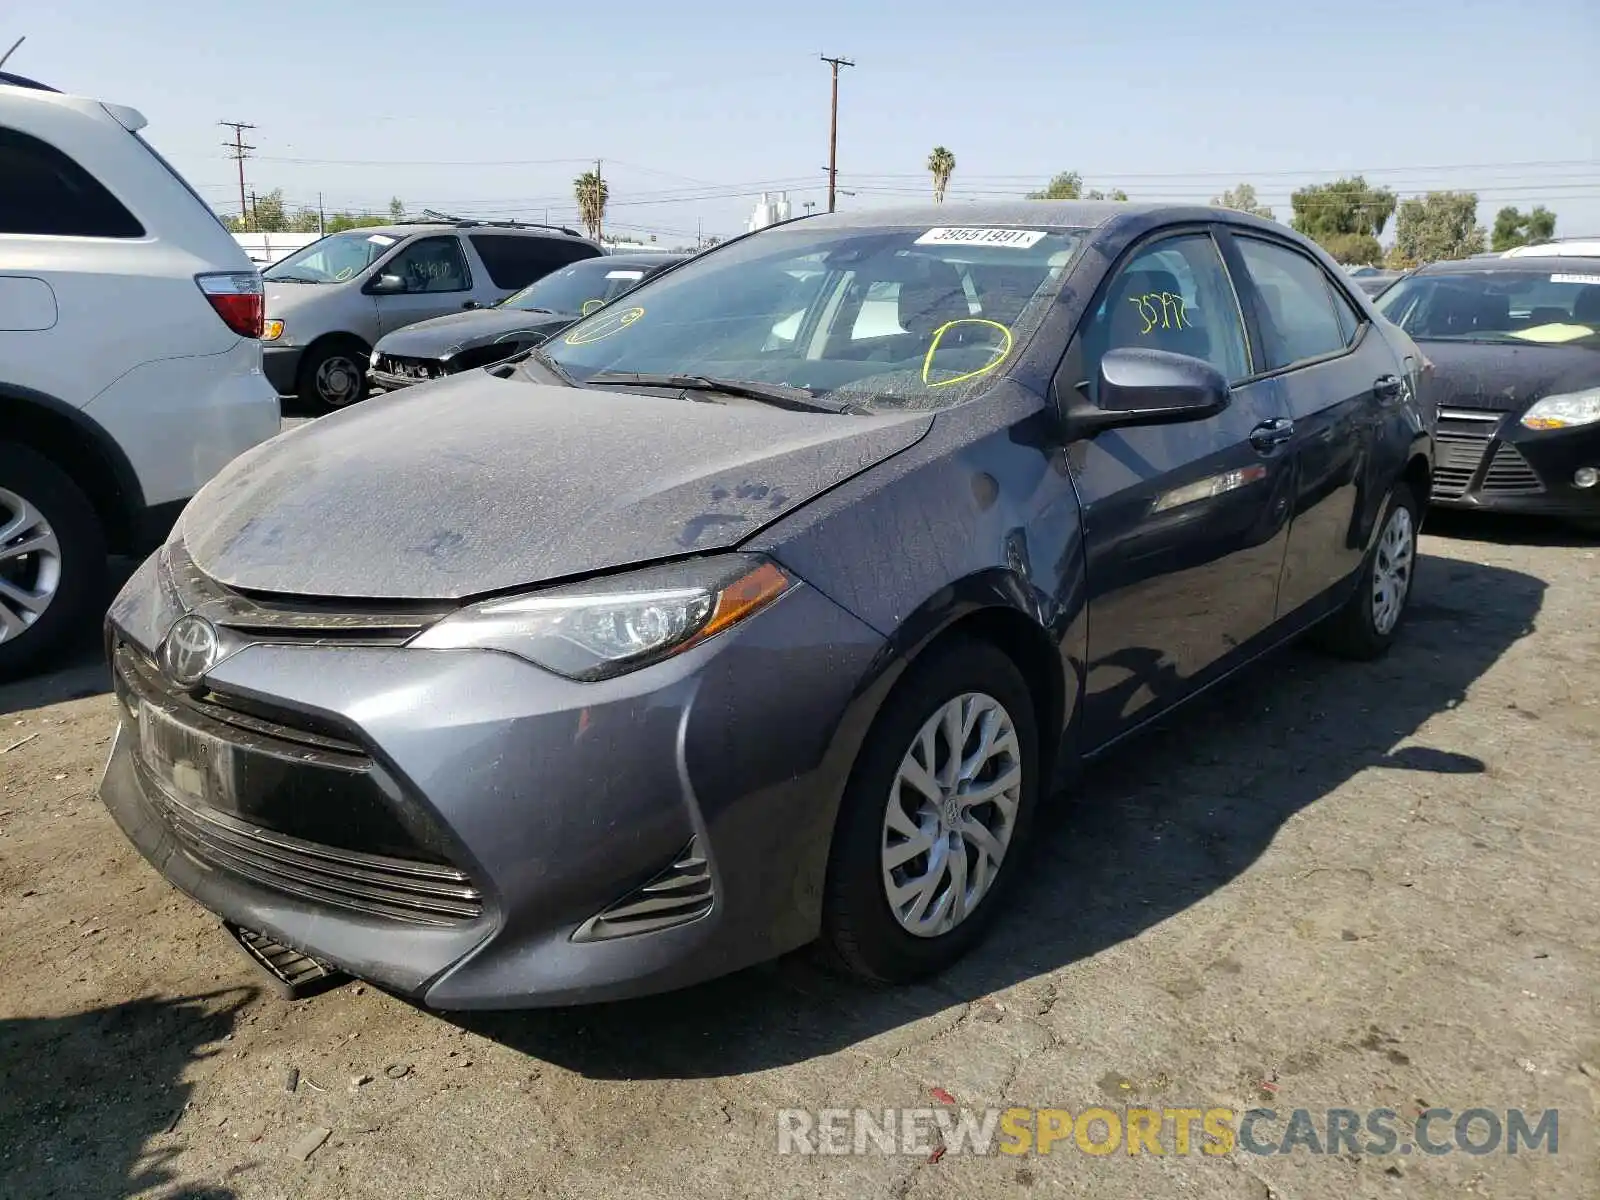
x: 1021, y: 239
x: 1575, y: 279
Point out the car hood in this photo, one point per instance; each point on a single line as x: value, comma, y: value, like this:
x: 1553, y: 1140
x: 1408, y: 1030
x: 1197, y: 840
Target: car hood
x: 443, y: 336
x: 413, y: 500
x: 1504, y: 377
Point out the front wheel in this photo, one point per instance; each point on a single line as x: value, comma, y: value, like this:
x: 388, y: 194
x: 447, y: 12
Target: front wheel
x: 934, y: 819
x: 52, y: 559
x: 1367, y: 625
x: 333, y: 375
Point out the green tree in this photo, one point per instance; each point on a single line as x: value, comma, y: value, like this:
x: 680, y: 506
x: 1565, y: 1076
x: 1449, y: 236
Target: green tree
x: 397, y: 209
x: 340, y: 221
x: 1114, y: 194
x: 305, y: 220
x: 592, y: 193
x: 942, y: 164
x: 1243, y: 199
x: 1066, y: 186
x: 1341, y: 216
x: 1512, y: 228
x: 1440, y: 225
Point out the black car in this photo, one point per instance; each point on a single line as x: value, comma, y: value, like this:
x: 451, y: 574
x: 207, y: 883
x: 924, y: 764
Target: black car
x: 481, y: 336
x: 761, y: 605
x: 1515, y: 347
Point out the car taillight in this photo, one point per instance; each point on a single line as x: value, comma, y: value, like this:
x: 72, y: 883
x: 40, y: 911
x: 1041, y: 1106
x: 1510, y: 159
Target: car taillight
x: 238, y: 297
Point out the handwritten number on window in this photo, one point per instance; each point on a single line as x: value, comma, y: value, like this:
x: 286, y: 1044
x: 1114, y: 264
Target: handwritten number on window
x: 1161, y: 310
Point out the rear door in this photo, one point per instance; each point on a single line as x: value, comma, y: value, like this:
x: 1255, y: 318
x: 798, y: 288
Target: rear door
x: 1335, y: 376
x: 1185, y: 524
x: 437, y: 277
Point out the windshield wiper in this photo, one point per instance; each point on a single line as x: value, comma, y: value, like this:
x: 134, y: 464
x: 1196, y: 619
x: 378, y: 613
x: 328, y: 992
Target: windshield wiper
x: 782, y: 394
x: 288, y: 278
x: 549, y: 364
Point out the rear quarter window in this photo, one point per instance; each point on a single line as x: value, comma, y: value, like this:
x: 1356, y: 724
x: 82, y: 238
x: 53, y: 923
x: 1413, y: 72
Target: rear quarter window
x: 514, y: 261
x: 45, y: 193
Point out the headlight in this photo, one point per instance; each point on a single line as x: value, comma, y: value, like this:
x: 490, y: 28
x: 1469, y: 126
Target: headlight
x: 1564, y: 412
x: 271, y: 331
x: 607, y: 627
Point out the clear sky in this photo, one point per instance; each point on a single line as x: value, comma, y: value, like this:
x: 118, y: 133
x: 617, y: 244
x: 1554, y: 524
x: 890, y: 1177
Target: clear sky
x: 697, y: 105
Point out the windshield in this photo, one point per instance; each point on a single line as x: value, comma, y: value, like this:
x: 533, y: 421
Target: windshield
x: 335, y: 258
x: 580, y: 288
x: 911, y: 317
x: 1512, y: 305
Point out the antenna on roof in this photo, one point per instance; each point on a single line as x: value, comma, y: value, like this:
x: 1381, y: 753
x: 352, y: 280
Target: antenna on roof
x: 13, y: 49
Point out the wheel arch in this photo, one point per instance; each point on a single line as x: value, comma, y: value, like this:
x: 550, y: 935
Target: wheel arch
x: 80, y: 446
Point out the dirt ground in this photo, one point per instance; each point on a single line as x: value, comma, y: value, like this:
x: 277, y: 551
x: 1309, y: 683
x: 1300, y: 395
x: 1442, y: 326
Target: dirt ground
x: 1330, y: 885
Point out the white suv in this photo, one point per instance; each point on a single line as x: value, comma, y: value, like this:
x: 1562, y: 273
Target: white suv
x: 130, y: 372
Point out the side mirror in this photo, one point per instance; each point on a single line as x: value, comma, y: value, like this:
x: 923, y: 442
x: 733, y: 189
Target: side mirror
x: 386, y: 285
x: 1146, y: 387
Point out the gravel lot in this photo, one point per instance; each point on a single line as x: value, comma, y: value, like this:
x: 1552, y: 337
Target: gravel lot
x: 1330, y: 885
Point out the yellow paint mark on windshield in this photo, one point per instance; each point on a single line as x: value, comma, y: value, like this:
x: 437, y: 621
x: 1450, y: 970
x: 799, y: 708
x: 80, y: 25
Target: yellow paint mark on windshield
x: 589, y: 306
x: 1161, y: 310
x: 938, y: 336
x: 603, y: 327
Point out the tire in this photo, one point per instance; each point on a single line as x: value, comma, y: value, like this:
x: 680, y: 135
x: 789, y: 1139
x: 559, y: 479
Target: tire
x: 861, y: 933
x: 47, y: 593
x: 1367, y: 625
x: 335, y: 360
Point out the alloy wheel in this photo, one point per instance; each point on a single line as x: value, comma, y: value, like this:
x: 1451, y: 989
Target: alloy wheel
x: 1392, y: 569
x: 951, y: 812
x: 30, y: 565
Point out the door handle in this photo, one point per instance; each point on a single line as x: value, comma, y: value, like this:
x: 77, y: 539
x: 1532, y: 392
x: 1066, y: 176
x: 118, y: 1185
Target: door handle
x: 1269, y: 435
x: 1386, y: 387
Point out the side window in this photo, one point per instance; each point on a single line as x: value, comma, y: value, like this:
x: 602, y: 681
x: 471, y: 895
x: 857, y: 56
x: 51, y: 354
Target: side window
x: 513, y: 261
x: 1349, y: 320
x: 1172, y: 295
x: 433, y: 264
x: 1300, y: 318
x: 42, y: 191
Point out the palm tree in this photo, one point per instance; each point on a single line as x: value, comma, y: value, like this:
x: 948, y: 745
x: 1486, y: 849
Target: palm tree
x: 592, y: 192
x: 943, y: 164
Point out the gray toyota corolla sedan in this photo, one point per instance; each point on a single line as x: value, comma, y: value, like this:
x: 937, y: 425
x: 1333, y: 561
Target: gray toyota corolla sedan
x: 763, y: 606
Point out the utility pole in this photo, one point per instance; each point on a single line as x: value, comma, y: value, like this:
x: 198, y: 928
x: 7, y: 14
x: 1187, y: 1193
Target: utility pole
x: 322, y: 225
x: 240, y: 153
x: 833, y: 127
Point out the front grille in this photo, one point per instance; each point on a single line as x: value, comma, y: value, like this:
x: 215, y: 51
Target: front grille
x: 417, y: 369
x: 1510, y: 475
x: 417, y: 893
x: 287, y: 801
x: 1460, y: 443
x: 265, y: 617
x: 678, y: 895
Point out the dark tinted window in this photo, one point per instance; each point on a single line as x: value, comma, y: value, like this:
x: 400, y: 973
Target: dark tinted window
x: 42, y: 191
x: 1172, y: 295
x: 432, y: 264
x: 1300, y: 319
x: 516, y: 261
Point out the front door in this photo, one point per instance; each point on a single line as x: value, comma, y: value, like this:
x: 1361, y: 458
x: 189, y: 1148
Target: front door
x: 437, y: 282
x: 1184, y: 524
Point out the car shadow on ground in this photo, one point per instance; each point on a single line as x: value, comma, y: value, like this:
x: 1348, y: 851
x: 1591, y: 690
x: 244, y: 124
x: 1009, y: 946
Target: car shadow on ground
x: 1152, y: 831
x: 85, y: 1094
x: 80, y: 670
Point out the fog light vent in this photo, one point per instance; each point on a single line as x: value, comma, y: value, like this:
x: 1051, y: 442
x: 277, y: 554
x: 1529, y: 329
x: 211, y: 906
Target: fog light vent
x: 680, y: 894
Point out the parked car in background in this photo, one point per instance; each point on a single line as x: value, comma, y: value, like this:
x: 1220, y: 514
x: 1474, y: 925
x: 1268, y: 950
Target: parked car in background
x: 129, y: 367
x: 479, y: 337
x: 714, y: 631
x: 1515, y: 344
x: 1557, y: 248
x: 329, y: 303
x: 1375, y: 283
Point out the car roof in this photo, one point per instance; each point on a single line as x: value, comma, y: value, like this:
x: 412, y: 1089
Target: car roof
x: 405, y: 229
x: 1055, y: 214
x: 22, y: 81
x: 1566, y: 264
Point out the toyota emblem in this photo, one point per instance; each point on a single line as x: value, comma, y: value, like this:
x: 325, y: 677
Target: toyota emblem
x: 190, y: 649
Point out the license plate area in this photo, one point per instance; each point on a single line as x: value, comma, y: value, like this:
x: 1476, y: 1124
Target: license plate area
x: 192, y: 765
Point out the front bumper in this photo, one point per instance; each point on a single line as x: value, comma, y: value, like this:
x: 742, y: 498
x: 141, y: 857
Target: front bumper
x: 282, y: 367
x: 1490, y: 461
x: 553, y: 800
